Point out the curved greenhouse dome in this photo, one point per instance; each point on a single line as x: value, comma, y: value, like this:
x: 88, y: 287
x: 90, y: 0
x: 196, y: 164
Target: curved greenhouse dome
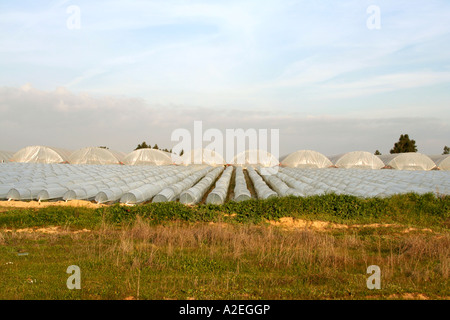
x: 442, y: 161
x: 96, y: 155
x: 408, y: 161
x: 201, y: 156
x: 5, y: 156
x: 148, y: 156
x: 41, y: 154
x: 306, y: 159
x: 357, y: 160
x: 255, y: 157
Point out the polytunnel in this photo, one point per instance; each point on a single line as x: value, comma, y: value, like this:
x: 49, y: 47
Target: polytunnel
x: 195, y: 194
x: 156, y: 184
x: 306, y: 159
x: 96, y: 155
x: 279, y: 185
x: 201, y: 156
x: 148, y: 156
x: 41, y: 154
x: 357, y: 160
x: 172, y: 193
x: 408, y: 161
x: 5, y: 156
x: 261, y: 188
x: 241, y: 193
x: 260, y: 158
x: 219, y: 194
x: 442, y: 161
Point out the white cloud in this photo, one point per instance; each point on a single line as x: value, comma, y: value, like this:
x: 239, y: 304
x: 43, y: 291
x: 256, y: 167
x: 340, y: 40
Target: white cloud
x: 61, y: 118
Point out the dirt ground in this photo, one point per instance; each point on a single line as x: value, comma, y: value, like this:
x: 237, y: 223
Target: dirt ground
x: 36, y: 204
x: 290, y: 223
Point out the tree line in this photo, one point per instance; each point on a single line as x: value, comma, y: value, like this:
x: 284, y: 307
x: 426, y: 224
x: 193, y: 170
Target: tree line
x: 405, y: 144
x: 144, y: 145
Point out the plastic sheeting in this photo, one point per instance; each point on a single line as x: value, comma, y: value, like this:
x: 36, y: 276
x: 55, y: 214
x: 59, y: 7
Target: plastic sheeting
x: 279, y: 186
x: 241, y: 193
x: 194, y: 194
x: 408, y: 161
x: 201, y: 156
x: 173, y: 192
x: 306, y: 159
x: 219, y: 194
x: 442, y: 161
x: 370, y: 183
x: 256, y: 158
x: 35, y: 181
x: 261, y: 188
x: 156, y: 184
x: 357, y: 160
x: 41, y: 154
x: 96, y: 155
x: 147, y: 156
x: 5, y: 156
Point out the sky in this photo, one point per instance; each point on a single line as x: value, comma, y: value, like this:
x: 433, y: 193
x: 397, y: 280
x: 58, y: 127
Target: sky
x: 115, y: 73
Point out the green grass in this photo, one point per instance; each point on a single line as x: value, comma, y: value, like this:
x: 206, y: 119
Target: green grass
x: 412, y: 209
x: 172, y: 251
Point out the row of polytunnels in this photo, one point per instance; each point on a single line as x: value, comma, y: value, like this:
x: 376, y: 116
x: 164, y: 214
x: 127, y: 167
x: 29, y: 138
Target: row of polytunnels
x: 205, y: 184
x: 298, y: 159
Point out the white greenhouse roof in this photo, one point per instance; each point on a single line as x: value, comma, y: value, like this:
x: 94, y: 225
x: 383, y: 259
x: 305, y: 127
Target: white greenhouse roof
x: 255, y: 158
x: 148, y: 156
x: 358, y: 160
x: 408, y: 161
x: 201, y: 156
x: 41, y: 154
x: 442, y: 161
x: 96, y: 155
x: 306, y: 159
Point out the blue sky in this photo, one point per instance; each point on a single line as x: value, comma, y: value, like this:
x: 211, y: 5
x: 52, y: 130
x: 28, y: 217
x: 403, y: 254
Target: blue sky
x: 311, y: 62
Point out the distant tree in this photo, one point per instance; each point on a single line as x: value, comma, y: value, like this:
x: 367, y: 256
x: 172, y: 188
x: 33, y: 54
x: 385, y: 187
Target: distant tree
x: 446, y: 150
x: 155, y: 147
x: 404, y: 144
x: 142, y: 145
x: 103, y: 147
x: 377, y: 153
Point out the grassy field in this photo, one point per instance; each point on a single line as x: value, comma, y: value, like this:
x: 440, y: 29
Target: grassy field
x: 288, y: 248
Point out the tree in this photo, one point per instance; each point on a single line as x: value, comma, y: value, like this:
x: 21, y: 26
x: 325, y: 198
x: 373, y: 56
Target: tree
x: 446, y: 150
x: 377, y: 153
x: 155, y: 147
x: 404, y: 144
x: 103, y: 147
x: 142, y: 145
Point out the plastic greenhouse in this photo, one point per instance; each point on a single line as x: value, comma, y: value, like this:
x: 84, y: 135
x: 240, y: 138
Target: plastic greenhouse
x: 201, y: 156
x: 41, y: 154
x: 148, y: 156
x: 442, y: 161
x: 255, y: 158
x: 96, y: 155
x: 5, y: 156
x: 306, y: 159
x: 408, y: 161
x: 358, y: 160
